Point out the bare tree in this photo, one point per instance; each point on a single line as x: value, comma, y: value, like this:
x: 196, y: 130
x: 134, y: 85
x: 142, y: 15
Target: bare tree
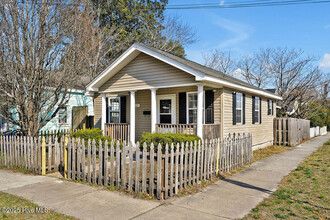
x: 43, y: 47
x: 172, y: 36
x: 254, y: 68
x: 295, y: 76
x: 220, y: 61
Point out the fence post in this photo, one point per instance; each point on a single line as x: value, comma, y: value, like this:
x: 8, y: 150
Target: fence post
x: 65, y: 158
x: 43, y: 146
x: 218, y: 156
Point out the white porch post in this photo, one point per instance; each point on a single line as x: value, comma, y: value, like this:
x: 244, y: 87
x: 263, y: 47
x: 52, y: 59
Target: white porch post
x: 132, y: 117
x: 153, y: 110
x: 200, y: 111
x: 104, y: 112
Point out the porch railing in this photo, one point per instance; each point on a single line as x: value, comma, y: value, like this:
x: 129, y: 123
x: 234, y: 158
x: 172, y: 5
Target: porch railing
x: 211, y: 131
x: 176, y: 128
x: 117, y: 131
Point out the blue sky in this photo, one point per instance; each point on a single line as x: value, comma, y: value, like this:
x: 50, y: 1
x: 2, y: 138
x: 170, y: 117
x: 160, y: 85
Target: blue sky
x: 245, y: 30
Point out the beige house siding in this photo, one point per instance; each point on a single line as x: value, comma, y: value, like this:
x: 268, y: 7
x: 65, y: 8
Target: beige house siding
x: 146, y: 72
x: 97, y: 110
x: 262, y: 134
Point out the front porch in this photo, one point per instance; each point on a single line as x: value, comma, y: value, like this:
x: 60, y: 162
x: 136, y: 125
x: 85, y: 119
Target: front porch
x: 121, y: 131
x: 192, y: 109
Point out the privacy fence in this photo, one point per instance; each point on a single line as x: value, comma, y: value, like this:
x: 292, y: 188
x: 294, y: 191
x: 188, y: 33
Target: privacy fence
x: 160, y: 171
x: 290, y: 131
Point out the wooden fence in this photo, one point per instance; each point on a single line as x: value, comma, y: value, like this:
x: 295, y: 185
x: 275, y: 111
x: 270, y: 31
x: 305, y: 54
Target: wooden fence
x: 176, y: 128
x: 117, y: 131
x: 26, y: 152
x: 143, y: 169
x: 290, y: 131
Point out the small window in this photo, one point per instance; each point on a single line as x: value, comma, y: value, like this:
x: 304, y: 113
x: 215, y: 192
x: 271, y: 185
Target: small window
x: 63, y: 115
x: 270, y: 107
x: 239, y: 108
x: 257, y: 110
x: 192, y: 108
x: 114, y: 110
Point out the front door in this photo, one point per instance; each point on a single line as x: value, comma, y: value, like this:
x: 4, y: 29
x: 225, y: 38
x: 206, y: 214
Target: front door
x: 166, y: 109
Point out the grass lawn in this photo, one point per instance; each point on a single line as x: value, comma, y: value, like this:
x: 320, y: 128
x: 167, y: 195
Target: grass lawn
x: 268, y: 151
x: 9, y: 204
x: 303, y: 194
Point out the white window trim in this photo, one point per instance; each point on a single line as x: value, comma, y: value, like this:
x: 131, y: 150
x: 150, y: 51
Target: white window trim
x: 257, y: 109
x: 67, y: 116
x: 109, y: 111
x: 270, y: 107
x: 173, y: 110
x: 239, y: 123
x: 187, y: 109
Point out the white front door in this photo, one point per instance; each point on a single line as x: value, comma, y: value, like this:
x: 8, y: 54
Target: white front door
x: 166, y: 109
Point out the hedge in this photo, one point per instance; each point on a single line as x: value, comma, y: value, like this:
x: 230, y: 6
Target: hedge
x: 163, y: 139
x: 94, y: 133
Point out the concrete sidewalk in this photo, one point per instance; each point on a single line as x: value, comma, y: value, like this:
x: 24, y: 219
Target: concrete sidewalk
x: 228, y: 199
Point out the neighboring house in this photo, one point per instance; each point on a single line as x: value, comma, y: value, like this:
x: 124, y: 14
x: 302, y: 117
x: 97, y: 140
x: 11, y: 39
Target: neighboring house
x: 67, y: 117
x: 151, y: 90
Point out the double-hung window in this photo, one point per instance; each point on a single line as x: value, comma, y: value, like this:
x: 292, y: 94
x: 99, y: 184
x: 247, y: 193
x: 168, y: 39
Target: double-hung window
x: 63, y: 115
x: 192, y: 108
x: 114, y: 110
x: 270, y: 107
x: 257, y: 110
x: 239, y: 108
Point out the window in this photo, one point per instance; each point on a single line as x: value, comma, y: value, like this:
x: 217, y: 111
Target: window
x: 257, y: 110
x: 114, y: 110
x: 63, y: 115
x: 239, y: 108
x: 192, y: 108
x: 165, y: 111
x: 270, y: 107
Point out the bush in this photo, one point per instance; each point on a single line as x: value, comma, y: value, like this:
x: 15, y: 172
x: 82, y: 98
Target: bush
x: 94, y: 133
x: 169, y: 138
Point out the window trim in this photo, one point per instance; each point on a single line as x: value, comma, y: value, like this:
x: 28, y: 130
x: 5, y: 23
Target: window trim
x: 239, y: 123
x: 67, y: 116
x: 257, y: 109
x: 270, y: 107
x: 110, y: 111
x: 187, y: 104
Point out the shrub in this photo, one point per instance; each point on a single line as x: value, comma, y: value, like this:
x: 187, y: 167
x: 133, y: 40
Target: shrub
x: 94, y: 133
x: 169, y: 138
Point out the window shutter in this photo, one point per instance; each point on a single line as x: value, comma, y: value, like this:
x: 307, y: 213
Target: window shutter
x: 268, y: 107
x: 234, y: 108
x: 209, y: 107
x: 182, y: 108
x: 243, y: 108
x: 260, y: 112
x: 123, y: 109
x: 107, y: 119
x: 272, y: 108
x: 253, y: 109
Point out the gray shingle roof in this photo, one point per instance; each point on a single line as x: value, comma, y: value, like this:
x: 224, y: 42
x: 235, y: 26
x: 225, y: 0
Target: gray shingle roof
x: 206, y: 70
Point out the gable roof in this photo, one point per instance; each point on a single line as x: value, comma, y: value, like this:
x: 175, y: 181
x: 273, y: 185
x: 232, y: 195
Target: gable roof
x: 201, y: 73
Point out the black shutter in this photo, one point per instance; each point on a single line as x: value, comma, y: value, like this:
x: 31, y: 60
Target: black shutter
x: 209, y: 107
x: 182, y: 108
x: 268, y: 107
x: 123, y: 109
x: 260, y: 112
x: 107, y: 119
x: 234, y: 108
x: 243, y: 108
x: 253, y: 109
x: 272, y: 108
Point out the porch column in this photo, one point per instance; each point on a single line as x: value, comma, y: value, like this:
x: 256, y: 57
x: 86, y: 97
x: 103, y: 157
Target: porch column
x: 153, y: 110
x: 132, y: 117
x: 200, y: 111
x: 104, y: 112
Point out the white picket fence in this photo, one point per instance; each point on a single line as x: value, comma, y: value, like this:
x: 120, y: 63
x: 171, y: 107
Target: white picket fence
x: 316, y: 131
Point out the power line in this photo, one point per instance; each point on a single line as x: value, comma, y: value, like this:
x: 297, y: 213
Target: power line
x: 246, y: 5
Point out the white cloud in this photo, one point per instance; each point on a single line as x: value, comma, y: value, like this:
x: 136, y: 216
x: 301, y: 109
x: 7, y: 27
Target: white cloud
x: 222, y: 2
x: 325, y: 62
x: 327, y: 26
x: 238, y: 31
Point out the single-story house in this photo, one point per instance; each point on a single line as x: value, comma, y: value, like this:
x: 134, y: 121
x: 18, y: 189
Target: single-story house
x: 149, y: 90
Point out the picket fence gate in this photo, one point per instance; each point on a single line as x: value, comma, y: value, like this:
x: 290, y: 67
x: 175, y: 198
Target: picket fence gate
x: 152, y: 170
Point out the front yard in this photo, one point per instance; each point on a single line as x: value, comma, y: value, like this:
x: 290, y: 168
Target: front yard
x: 303, y: 194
